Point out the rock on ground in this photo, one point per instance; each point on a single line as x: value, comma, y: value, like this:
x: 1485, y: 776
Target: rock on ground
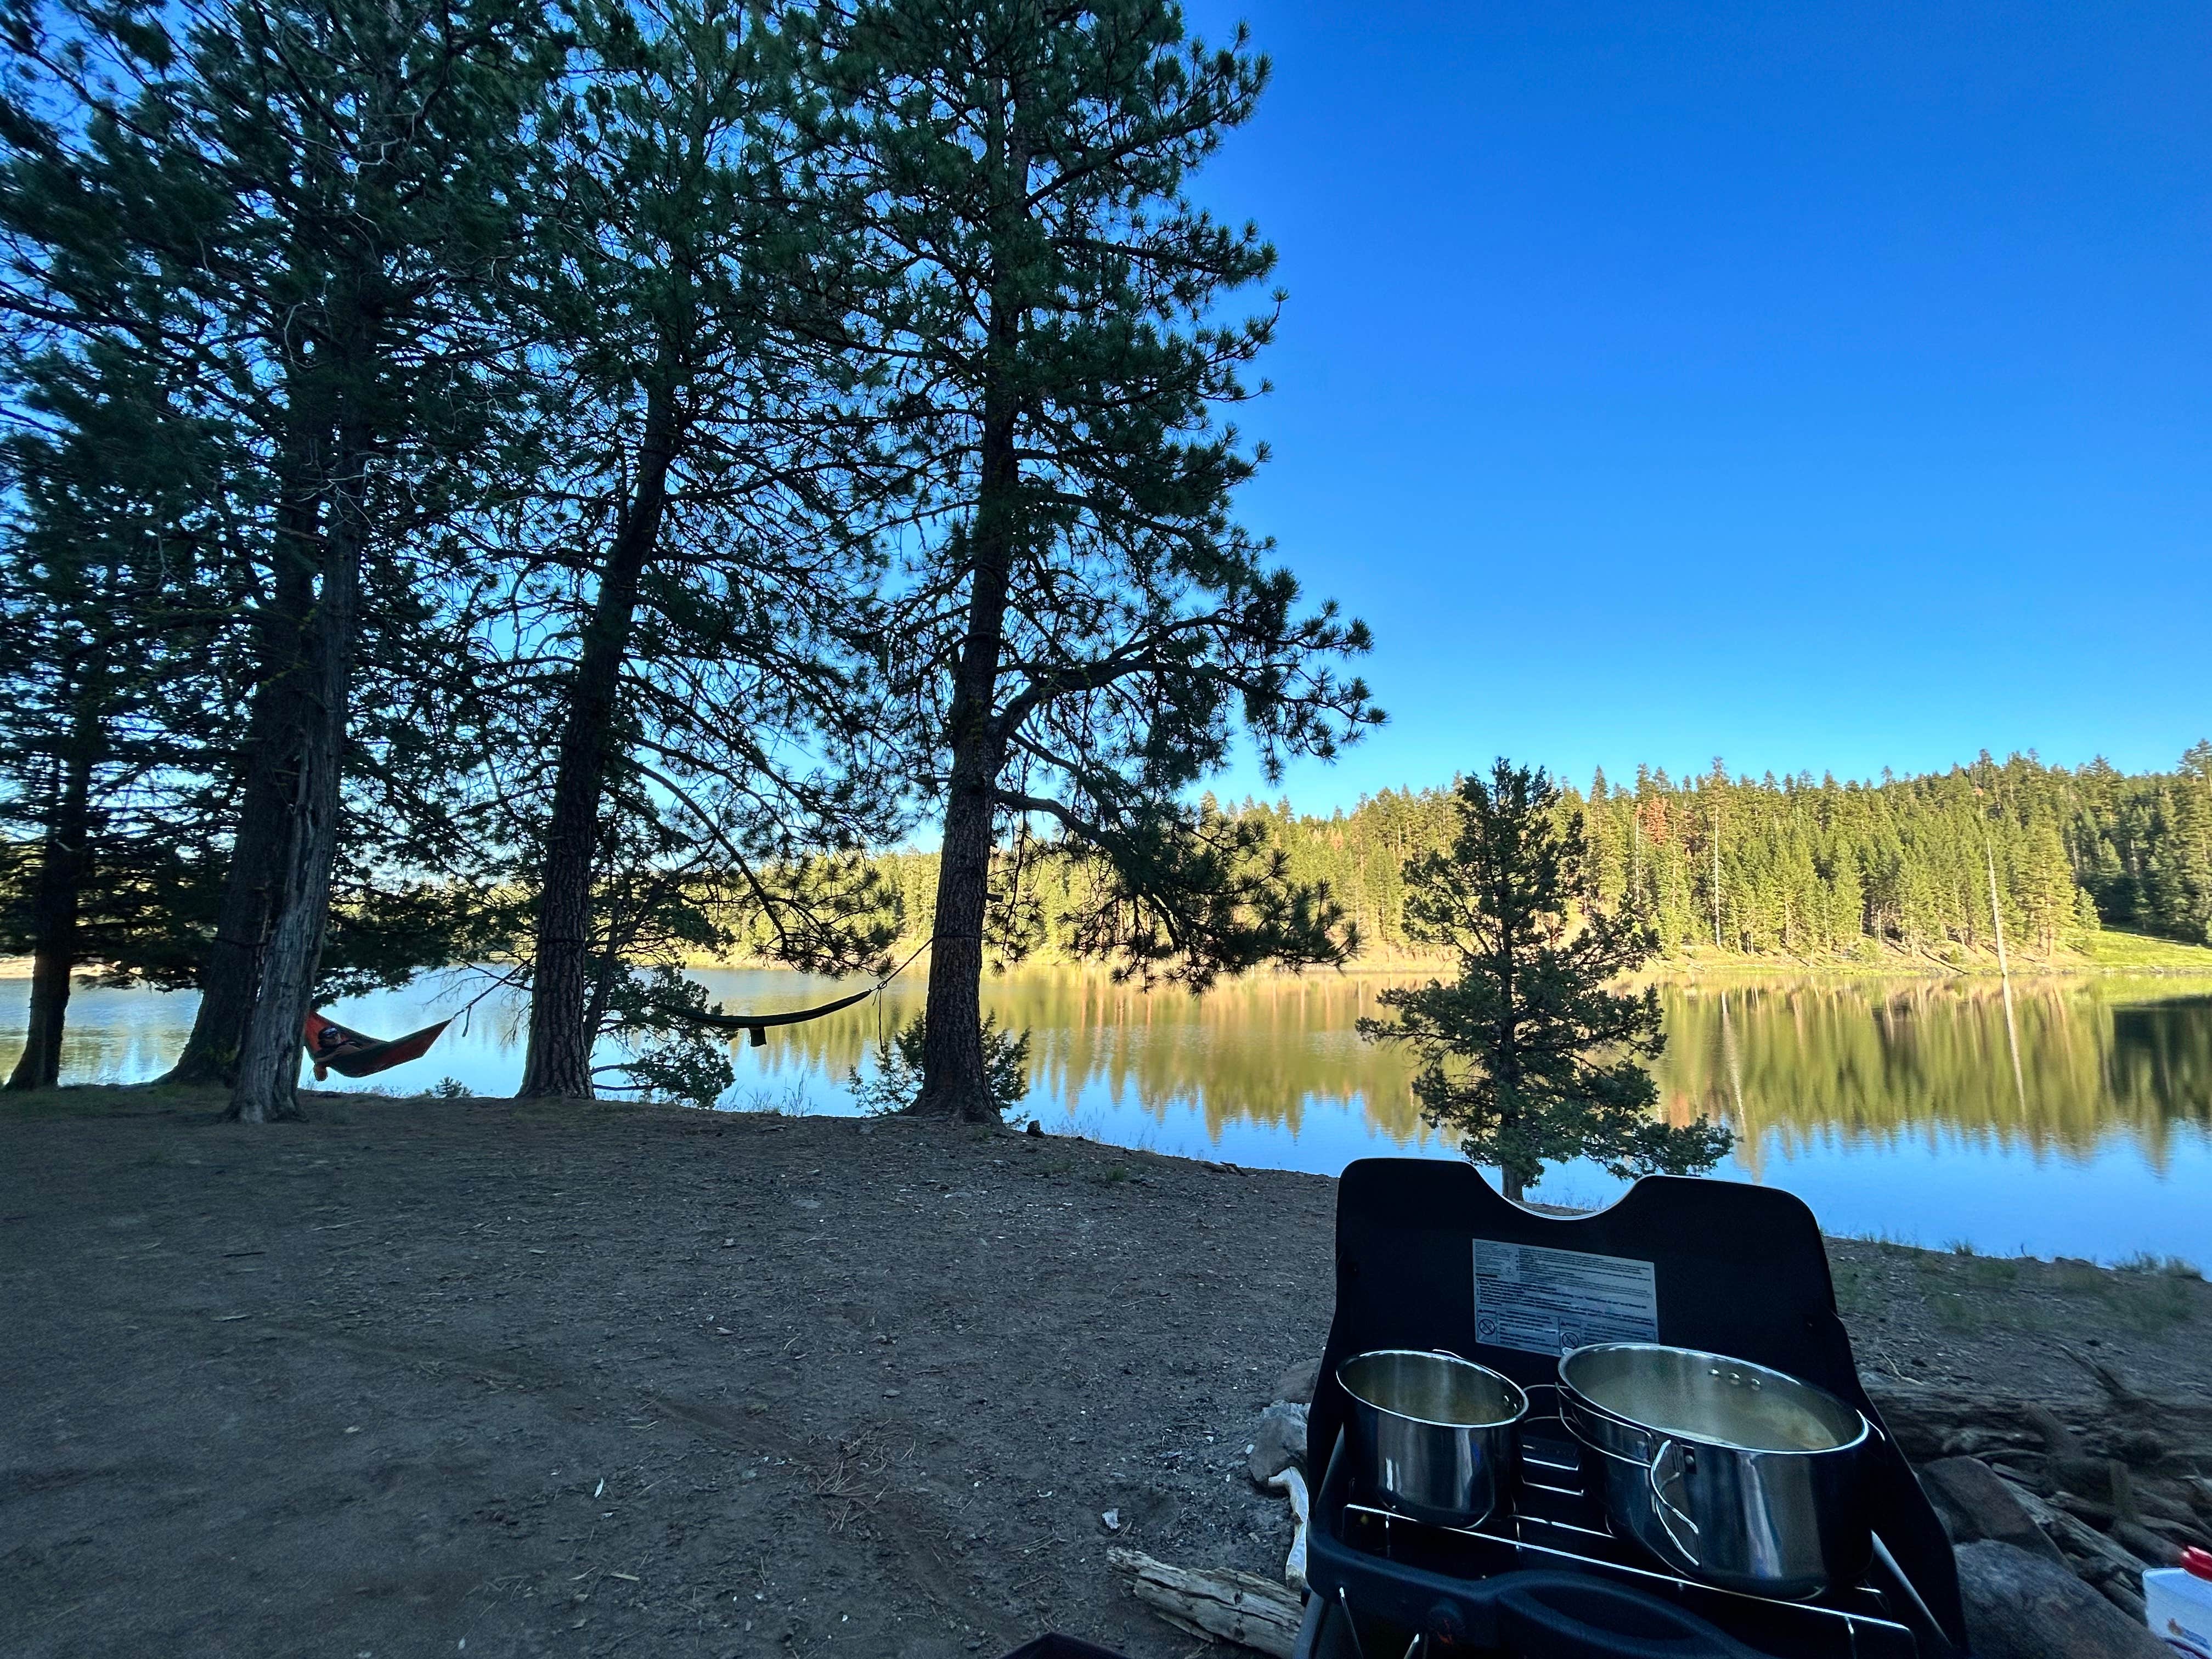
x: 1296, y: 1384
x: 1281, y: 1441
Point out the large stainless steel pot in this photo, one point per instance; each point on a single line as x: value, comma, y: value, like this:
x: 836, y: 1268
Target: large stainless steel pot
x: 1728, y: 1472
x: 1435, y: 1434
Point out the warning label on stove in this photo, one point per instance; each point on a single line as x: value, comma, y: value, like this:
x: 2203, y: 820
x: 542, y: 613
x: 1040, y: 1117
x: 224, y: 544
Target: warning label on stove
x: 1543, y: 1301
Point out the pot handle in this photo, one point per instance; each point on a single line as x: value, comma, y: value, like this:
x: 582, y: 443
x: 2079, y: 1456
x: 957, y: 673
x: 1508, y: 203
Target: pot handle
x: 1666, y: 1466
x: 1587, y: 1444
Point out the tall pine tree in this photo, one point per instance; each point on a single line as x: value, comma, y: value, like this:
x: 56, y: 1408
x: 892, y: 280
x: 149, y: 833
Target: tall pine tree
x: 115, y: 569
x: 323, y: 190
x: 1085, y: 627
x: 702, y: 521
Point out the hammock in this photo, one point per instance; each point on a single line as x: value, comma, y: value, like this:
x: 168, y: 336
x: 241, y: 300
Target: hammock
x: 336, y: 1048
x: 755, y: 1026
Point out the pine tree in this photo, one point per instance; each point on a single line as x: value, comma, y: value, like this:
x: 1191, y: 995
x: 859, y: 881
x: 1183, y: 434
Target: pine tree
x: 1085, y: 625
x: 702, y: 523
x: 1530, y: 1057
x: 113, y: 578
x: 321, y: 188
x: 2044, y: 889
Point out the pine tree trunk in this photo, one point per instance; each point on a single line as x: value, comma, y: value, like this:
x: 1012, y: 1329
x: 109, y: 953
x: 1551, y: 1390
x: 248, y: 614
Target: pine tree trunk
x: 267, y: 1090
x: 230, y: 975
x: 54, y: 906
x: 954, y: 1082
x: 558, y: 1063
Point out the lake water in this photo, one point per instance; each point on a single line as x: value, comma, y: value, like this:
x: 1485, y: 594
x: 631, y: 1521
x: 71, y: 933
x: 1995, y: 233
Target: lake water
x: 1915, y: 1111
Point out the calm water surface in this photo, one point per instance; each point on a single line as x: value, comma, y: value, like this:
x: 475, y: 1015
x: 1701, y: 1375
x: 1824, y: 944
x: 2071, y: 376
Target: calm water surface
x: 1913, y: 1111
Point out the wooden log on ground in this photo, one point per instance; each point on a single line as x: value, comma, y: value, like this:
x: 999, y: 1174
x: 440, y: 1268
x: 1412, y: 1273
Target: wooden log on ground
x: 2139, y: 1539
x: 2176, y: 1434
x: 2124, y: 1599
x: 2078, y: 1538
x: 1293, y: 1485
x: 2020, y: 1606
x: 1221, y: 1606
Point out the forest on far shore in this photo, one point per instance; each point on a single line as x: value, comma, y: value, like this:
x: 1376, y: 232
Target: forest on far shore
x: 1775, y: 868
x: 1786, y: 867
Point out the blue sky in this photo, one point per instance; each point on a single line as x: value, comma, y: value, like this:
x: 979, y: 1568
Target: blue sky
x: 1816, y: 387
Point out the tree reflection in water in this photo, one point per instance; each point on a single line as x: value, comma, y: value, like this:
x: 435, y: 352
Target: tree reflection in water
x: 1789, y: 1064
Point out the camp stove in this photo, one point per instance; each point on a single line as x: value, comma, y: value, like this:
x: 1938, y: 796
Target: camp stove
x: 1429, y: 1256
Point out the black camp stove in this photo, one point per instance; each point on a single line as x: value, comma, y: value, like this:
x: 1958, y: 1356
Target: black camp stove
x: 1429, y: 1256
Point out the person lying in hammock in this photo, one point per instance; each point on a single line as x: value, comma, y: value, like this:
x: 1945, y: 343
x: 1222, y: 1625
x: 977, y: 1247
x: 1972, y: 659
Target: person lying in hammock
x: 336, y: 1048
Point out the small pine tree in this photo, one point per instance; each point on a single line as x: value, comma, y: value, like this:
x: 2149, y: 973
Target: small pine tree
x: 1528, y: 1056
x: 895, y: 1085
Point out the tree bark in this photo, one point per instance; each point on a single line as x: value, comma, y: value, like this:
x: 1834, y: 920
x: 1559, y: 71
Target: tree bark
x: 299, y: 891
x: 954, y: 1081
x: 230, y: 975
x: 559, y: 1060
x: 54, y: 904
x: 1223, y: 1605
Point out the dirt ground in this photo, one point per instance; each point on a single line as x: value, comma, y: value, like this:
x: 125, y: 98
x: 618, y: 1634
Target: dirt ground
x: 426, y: 1377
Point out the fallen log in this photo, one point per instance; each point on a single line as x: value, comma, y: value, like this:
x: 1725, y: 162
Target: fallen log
x: 2078, y: 1538
x: 2020, y: 1606
x: 2140, y: 1540
x: 2095, y: 1559
x: 1974, y: 1502
x: 1221, y: 1606
x: 1293, y: 1485
x: 2124, y: 1599
x: 2150, y: 1522
x: 2173, y: 1436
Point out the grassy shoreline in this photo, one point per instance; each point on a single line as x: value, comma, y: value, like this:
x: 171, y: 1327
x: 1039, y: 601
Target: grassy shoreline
x: 2109, y: 953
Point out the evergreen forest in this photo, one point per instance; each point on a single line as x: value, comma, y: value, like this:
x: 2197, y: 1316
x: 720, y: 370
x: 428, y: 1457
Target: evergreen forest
x: 1897, y: 870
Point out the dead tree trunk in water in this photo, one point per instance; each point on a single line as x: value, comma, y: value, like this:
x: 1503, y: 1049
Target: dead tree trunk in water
x: 559, y: 1060
x: 62, y: 860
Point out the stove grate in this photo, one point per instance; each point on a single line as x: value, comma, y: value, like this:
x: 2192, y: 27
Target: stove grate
x: 1555, y: 1524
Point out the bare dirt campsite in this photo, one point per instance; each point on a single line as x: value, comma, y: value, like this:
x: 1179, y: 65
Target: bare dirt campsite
x: 480, y: 1378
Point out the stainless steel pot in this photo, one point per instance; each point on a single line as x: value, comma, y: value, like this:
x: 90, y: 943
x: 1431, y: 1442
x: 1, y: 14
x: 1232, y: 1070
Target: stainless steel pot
x: 1435, y: 1434
x: 1728, y: 1472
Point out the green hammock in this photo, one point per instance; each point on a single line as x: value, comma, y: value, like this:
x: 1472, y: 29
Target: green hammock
x: 755, y: 1026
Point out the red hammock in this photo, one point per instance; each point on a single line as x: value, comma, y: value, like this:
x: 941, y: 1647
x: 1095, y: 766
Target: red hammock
x: 336, y: 1048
